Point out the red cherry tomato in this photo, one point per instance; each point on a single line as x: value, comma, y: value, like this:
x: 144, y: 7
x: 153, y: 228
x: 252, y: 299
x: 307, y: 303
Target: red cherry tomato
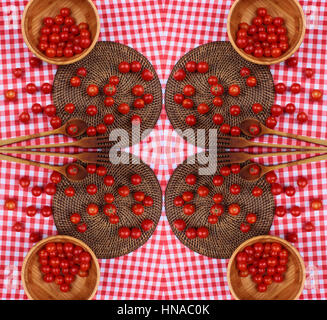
x: 147, y: 75
x: 190, y: 66
x: 234, y: 209
x: 191, y: 233
x: 202, y: 67
x: 92, y: 90
x: 302, y: 117
x: 190, y: 120
x: 316, y: 95
x: 280, y: 211
x: 280, y: 88
x: 251, y: 81
x: 302, y: 182
x: 289, y: 108
x: 257, y: 108
x: 180, y: 75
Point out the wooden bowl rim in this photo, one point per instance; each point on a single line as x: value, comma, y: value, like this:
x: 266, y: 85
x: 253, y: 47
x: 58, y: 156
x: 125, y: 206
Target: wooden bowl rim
x: 287, y: 244
x: 69, y: 60
x: 259, y: 60
x: 76, y: 241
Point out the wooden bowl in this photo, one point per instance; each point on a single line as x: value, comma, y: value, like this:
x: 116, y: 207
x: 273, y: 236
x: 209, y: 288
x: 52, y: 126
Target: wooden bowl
x: 290, y: 10
x: 290, y: 289
x: 36, y: 10
x: 36, y: 289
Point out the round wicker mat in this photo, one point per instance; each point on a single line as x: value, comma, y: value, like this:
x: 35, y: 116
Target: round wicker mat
x: 102, y: 63
x: 225, y: 63
x: 100, y: 235
x: 225, y: 236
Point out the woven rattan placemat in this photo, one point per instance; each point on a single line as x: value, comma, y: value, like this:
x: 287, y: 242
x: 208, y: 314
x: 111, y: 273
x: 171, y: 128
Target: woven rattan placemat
x: 225, y: 64
x: 100, y: 235
x: 225, y: 236
x: 102, y: 63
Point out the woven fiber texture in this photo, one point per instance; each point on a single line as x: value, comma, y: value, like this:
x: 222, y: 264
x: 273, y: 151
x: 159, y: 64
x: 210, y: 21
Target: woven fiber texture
x: 225, y: 64
x: 101, y: 64
x: 101, y: 235
x: 225, y: 236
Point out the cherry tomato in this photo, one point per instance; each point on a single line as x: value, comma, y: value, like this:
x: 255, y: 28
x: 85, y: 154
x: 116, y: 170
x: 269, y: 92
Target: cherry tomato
x: 309, y: 72
x: 188, y: 209
x: 276, y: 189
x: 55, y: 177
x: 235, y: 168
x: 257, y: 108
x: 190, y: 120
x: 50, y: 110
x: 271, y: 177
x: 280, y: 88
x: 190, y: 179
x: 217, y: 210
x: 110, y: 209
x: 10, y: 204
x: 271, y: 122
x: 31, y: 211
x: 217, y: 90
x: 276, y: 110
x: 218, y: 119
x: 217, y: 101
x: 123, y: 108
x: 35, y: 62
x: 180, y: 75
x: 280, y: 211
x: 139, y: 103
x: 191, y: 66
x: 50, y: 189
x: 55, y: 122
x: 202, y: 67
x: 235, y: 189
x: 101, y: 171
x: 92, y: 209
x: 139, y: 196
x: 135, y: 66
x: 101, y: 128
x: 202, y: 232
x: 316, y: 95
x: 251, y: 81
x: 92, y: 90
x: 191, y: 233
x: 109, y: 119
x: 75, y: 218
x: 225, y: 128
x: 147, y: 224
x: 302, y: 117
x: 188, y: 90
x: 295, y: 211
x: 123, y: 191
x: 218, y: 180
x: 91, y: 110
x: 289, y: 108
x: 245, y: 227
x: 34, y: 237
x: 138, y: 209
x: 251, y: 218
x: 109, y: 89
x: 254, y: 170
x: 18, y: 226
x: 302, y: 182
x: 180, y: 224
x: 212, y: 219
x: 124, y: 232
x: 245, y: 72
x: 11, y: 95
x: 187, y: 196
x: 292, y: 62
x: 316, y: 204
x: 290, y: 191
x: 235, y: 131
x: 308, y: 226
x: 124, y: 67
x: 18, y: 72
x: 70, y: 191
x: 295, y: 88
x: 291, y: 237
x: 148, y: 98
x: 178, y: 201
x: 212, y: 80
x: 147, y: 75
x: 257, y: 191
x: 46, y: 211
x: 187, y: 103
x: 138, y: 90
x: 234, y: 209
x: 108, y: 101
x: 235, y: 110
x: 37, y: 191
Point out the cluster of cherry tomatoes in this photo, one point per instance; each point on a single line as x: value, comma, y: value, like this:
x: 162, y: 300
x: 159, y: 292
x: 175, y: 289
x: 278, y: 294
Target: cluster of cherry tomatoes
x: 61, y: 37
x: 264, y: 262
x: 264, y: 37
x: 217, y: 209
x: 62, y: 262
x: 109, y: 209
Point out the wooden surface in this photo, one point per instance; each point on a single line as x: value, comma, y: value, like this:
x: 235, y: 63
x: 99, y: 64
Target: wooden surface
x: 239, y: 142
x: 244, y: 126
x: 82, y: 126
x: 36, y: 289
x: 290, y: 10
x: 97, y: 157
x: 37, y: 10
x: 290, y: 289
x: 61, y: 169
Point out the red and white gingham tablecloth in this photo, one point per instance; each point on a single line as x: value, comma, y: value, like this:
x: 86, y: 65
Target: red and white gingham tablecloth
x: 163, y: 31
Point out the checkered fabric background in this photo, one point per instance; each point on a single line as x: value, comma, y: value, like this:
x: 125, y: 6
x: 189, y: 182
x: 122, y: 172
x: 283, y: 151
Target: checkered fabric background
x: 163, y: 31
